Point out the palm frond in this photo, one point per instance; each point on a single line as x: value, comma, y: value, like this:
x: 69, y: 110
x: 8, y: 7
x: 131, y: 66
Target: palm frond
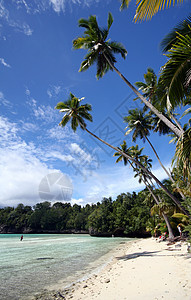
x: 186, y: 112
x: 170, y: 39
x: 124, y: 4
x: 65, y: 120
x: 183, y: 153
x: 74, y: 123
x: 99, y: 50
x: 118, y: 48
x: 61, y: 105
x: 83, y: 23
x: 146, y: 9
x: 128, y: 131
x: 174, y: 72
x: 85, y: 115
x: 90, y: 59
x: 102, y: 66
x: 109, y: 21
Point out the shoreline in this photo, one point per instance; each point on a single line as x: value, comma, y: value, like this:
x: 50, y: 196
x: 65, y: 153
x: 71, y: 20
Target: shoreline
x: 95, y: 268
x: 141, y: 269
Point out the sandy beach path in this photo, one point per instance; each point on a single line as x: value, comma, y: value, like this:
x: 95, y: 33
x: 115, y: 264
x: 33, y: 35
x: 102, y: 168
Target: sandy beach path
x: 149, y: 270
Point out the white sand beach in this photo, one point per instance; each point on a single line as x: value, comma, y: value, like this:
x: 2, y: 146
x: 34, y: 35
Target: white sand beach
x: 145, y: 269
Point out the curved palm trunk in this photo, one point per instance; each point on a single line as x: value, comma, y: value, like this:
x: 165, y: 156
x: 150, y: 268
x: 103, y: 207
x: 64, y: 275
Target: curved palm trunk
x: 177, y: 123
x: 172, y: 127
x: 143, y: 168
x: 165, y: 217
x: 169, y: 175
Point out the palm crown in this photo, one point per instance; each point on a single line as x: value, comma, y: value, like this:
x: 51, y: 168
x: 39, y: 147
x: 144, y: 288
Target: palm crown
x: 74, y: 112
x: 176, y: 73
x: 100, y: 50
x: 139, y: 123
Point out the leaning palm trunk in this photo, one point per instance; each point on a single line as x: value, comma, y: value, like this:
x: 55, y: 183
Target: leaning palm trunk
x: 177, y: 123
x: 165, y: 217
x: 142, y: 167
x: 169, y: 175
x: 172, y: 127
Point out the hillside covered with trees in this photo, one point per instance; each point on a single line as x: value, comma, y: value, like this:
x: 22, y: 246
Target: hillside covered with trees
x: 133, y: 215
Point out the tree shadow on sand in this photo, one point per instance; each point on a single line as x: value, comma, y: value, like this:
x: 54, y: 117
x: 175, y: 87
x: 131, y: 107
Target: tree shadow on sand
x: 137, y: 254
x: 150, y: 253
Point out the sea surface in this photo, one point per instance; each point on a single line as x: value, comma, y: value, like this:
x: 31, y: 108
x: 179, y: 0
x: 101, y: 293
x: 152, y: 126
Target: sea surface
x: 43, y: 260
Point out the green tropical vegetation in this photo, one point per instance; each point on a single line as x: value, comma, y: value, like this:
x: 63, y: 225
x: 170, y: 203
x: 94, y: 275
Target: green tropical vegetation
x: 76, y: 113
x: 146, y: 9
x: 102, y: 52
x: 161, y: 206
x: 160, y: 98
x: 127, y: 215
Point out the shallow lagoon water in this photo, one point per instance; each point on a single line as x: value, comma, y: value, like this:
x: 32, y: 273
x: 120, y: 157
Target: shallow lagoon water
x: 41, y: 261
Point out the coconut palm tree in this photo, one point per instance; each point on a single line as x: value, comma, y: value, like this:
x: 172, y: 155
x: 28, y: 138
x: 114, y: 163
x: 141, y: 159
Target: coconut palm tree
x: 76, y: 113
x: 146, y: 9
x: 131, y: 151
x: 149, y: 87
x: 183, y: 28
x: 176, y: 73
x: 102, y: 51
x: 155, y: 92
x: 142, y: 175
x: 183, y: 154
x: 140, y: 125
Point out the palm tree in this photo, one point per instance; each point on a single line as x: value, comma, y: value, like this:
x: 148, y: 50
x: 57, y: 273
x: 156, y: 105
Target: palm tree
x: 146, y: 9
x: 149, y: 87
x: 101, y: 51
x: 183, y: 154
x: 132, y: 151
x: 183, y: 28
x: 155, y: 92
x: 182, y: 183
x: 140, y: 125
x: 176, y: 73
x: 142, y: 175
x: 76, y: 113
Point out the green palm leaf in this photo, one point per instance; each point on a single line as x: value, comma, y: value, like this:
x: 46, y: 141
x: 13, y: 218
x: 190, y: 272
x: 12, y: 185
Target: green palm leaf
x: 65, y: 120
x: 124, y: 4
x: 74, y: 112
x: 109, y: 21
x: 146, y: 9
x: 170, y: 39
x: 99, y: 50
x: 173, y: 75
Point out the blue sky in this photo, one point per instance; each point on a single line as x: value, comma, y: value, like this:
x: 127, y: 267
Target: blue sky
x: 38, y: 68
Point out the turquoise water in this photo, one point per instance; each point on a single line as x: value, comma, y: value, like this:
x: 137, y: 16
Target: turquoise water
x: 40, y: 261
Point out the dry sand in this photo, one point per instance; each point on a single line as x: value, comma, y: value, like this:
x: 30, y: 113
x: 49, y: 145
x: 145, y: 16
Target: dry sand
x: 145, y: 270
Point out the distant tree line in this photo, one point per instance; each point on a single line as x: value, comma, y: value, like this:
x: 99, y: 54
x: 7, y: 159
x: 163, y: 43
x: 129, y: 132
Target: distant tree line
x: 129, y: 215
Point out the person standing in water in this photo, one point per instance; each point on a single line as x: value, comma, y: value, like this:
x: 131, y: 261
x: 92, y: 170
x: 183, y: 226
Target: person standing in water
x: 21, y: 238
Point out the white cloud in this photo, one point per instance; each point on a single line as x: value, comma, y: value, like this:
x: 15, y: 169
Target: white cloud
x: 54, y: 90
x: 110, y: 181
x: 8, y: 131
x: 58, y: 155
x: 58, y: 5
x: 42, y: 112
x: 17, y: 25
x: 27, y: 126
x: 2, y: 61
x: 4, y: 101
x: 79, y: 152
x: 62, y: 134
x: 21, y: 167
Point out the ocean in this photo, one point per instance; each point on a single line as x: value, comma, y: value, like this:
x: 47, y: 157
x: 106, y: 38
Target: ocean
x: 42, y: 261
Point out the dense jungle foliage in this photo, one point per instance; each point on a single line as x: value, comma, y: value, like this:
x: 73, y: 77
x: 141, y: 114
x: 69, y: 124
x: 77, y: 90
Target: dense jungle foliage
x: 128, y: 215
